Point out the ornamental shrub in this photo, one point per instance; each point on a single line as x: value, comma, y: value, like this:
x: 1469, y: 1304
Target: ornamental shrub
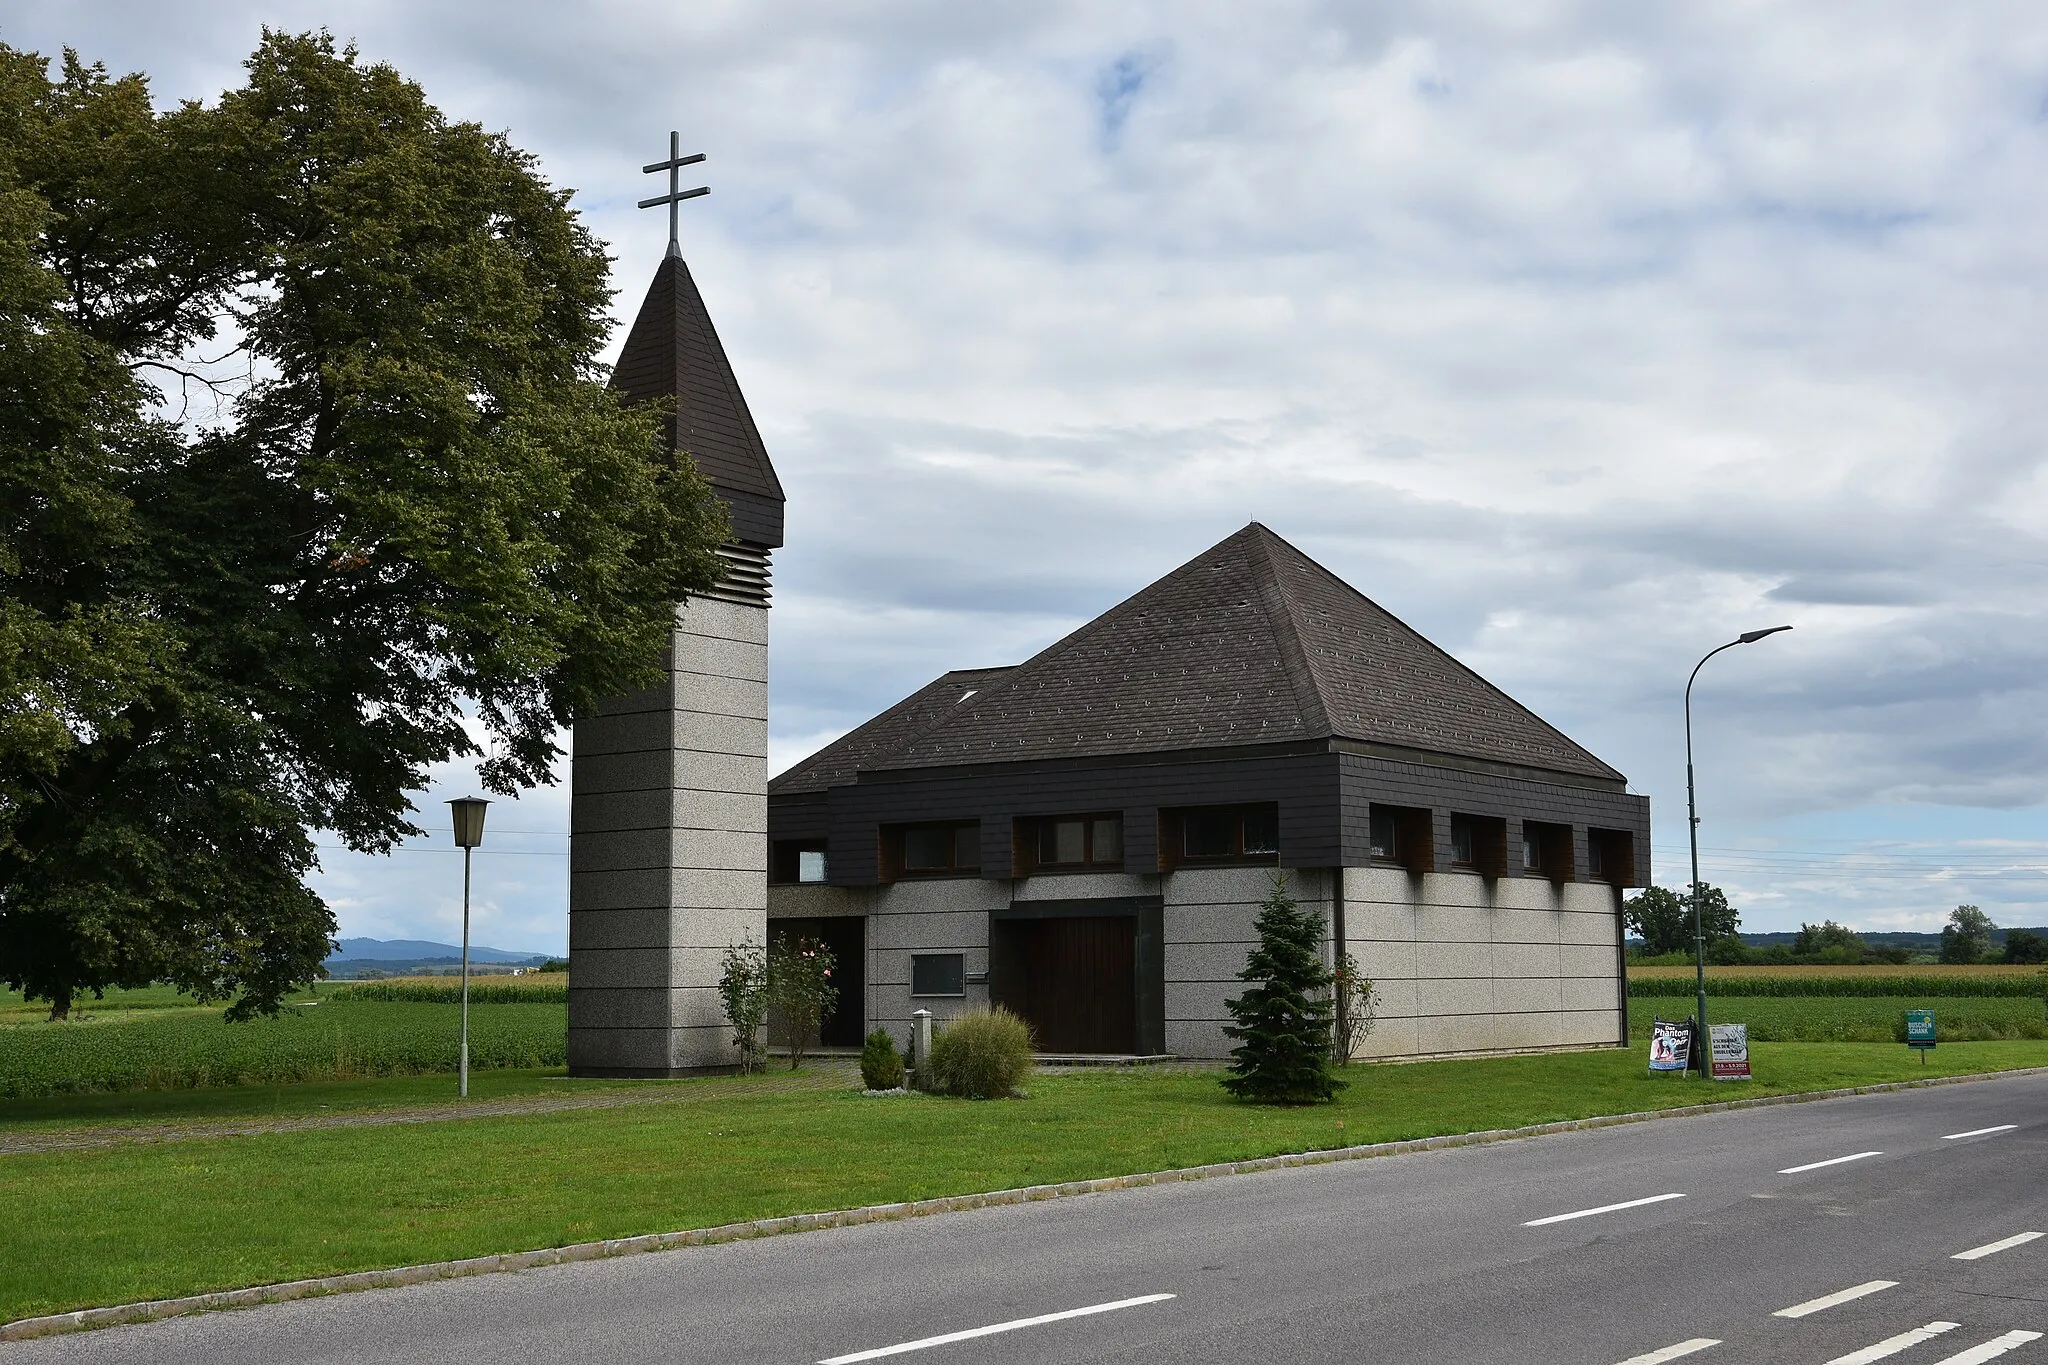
x: 1283, y: 1020
x: 983, y: 1055
x: 743, y: 991
x: 800, y: 990
x: 881, y: 1066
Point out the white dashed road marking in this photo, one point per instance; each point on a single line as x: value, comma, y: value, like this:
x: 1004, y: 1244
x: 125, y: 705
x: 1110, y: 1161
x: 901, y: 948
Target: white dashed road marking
x: 925, y: 1342
x: 1891, y: 1346
x: 1979, y: 1132
x: 1990, y: 1350
x: 1992, y: 1248
x: 1604, y: 1208
x: 1800, y: 1310
x: 1831, y: 1161
x: 1683, y: 1348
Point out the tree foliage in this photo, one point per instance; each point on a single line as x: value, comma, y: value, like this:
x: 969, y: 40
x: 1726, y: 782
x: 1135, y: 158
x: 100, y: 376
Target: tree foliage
x: 1284, y: 1020
x: 1966, y: 937
x: 1662, y: 918
x: 2025, y: 947
x: 743, y: 993
x: 800, y: 989
x: 1828, y: 941
x: 403, y: 493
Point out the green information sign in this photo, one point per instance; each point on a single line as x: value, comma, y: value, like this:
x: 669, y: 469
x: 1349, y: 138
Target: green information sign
x: 1920, y: 1031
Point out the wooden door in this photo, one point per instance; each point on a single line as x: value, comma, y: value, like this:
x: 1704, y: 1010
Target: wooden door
x: 1074, y: 980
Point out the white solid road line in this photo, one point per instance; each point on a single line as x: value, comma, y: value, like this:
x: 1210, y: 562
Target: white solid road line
x: 1604, y: 1208
x: 1979, y: 1132
x: 1831, y: 1161
x: 1683, y: 1348
x: 1991, y: 1248
x: 1800, y: 1310
x: 1990, y: 1350
x: 1891, y: 1346
x: 972, y: 1332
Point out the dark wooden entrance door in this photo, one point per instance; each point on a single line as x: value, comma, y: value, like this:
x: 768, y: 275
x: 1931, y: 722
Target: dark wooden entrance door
x: 1073, y: 980
x: 845, y: 1023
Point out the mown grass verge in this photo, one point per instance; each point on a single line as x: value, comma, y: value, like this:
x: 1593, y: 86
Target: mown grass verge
x: 128, y: 1223
x: 170, y: 1049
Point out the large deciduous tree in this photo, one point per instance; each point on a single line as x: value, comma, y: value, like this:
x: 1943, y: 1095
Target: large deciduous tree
x: 309, y: 479
x: 1662, y: 918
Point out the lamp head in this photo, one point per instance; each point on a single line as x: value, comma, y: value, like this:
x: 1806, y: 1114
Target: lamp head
x: 1750, y: 637
x: 469, y: 820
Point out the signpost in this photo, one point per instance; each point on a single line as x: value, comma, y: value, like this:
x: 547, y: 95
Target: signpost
x: 1730, y: 1051
x: 1670, y: 1045
x: 1920, y: 1032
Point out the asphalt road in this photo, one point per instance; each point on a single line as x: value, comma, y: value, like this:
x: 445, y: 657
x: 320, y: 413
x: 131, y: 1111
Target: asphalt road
x: 1422, y: 1258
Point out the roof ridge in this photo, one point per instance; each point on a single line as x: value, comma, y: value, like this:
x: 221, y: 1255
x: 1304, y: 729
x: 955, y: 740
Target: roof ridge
x: 1280, y: 609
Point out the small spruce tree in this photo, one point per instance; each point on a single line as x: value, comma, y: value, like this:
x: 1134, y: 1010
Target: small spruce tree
x: 1283, y: 1020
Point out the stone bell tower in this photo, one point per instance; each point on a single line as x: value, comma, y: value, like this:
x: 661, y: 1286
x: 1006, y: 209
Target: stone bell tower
x: 668, y: 827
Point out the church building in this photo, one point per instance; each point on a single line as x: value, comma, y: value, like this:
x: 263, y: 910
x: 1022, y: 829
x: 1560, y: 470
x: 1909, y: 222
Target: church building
x: 1084, y: 837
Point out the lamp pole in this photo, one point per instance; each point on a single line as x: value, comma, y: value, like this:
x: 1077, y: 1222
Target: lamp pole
x: 468, y: 813
x: 1692, y: 826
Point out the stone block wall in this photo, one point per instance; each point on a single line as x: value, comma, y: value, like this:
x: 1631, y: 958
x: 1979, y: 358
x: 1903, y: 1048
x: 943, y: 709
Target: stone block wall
x: 668, y: 861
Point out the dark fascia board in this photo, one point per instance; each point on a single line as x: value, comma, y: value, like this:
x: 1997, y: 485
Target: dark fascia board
x: 1087, y: 907
x: 1228, y: 752
x: 1431, y: 758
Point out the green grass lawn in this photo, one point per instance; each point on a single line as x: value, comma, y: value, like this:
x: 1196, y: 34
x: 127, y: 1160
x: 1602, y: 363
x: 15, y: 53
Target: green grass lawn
x: 127, y: 1223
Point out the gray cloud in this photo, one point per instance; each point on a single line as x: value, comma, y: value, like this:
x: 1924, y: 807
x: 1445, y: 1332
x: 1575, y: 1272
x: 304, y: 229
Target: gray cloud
x: 1582, y: 337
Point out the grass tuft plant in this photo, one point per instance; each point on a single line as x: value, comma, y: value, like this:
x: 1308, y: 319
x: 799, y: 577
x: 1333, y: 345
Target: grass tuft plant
x: 982, y: 1055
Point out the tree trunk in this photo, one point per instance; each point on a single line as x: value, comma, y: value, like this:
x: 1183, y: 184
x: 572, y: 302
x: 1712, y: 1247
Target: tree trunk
x: 60, y: 1005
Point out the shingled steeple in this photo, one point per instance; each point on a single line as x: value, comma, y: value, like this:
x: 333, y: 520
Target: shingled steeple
x: 673, y: 352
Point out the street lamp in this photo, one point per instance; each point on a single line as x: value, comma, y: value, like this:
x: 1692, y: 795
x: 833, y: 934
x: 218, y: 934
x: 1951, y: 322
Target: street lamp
x: 1692, y: 822
x: 469, y: 832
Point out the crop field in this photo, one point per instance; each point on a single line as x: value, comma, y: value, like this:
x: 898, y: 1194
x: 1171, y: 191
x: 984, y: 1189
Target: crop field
x: 532, y: 988
x: 1807, y: 981
x: 1853, y: 1019
x: 168, y: 1048
x: 1987, y: 971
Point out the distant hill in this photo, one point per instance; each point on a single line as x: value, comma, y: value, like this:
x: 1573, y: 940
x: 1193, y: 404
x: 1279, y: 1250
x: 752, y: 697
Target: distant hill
x: 398, y: 955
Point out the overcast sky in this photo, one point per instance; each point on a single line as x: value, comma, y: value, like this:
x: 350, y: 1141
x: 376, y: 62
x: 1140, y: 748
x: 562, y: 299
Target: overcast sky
x: 1582, y: 337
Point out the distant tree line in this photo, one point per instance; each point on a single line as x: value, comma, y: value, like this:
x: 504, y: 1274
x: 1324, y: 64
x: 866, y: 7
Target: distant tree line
x: 1663, y: 919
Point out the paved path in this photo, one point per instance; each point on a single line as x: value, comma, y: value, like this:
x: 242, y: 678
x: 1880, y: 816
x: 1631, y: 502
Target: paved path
x: 830, y: 1073
x: 1826, y: 1234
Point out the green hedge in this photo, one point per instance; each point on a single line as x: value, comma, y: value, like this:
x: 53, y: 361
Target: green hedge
x: 324, y: 1042
x: 485, y: 992
x: 1891, y: 987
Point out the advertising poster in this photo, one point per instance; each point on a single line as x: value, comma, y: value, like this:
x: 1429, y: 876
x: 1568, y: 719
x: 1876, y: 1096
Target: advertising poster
x: 1670, y: 1045
x: 1730, y: 1053
x: 1920, y: 1030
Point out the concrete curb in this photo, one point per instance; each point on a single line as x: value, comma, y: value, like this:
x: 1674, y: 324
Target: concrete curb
x: 88, y: 1318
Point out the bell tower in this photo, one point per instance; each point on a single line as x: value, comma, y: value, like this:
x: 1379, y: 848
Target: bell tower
x: 668, y: 827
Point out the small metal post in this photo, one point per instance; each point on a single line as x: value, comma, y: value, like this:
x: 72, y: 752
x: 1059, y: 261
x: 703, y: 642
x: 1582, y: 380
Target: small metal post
x: 464, y: 1092
x: 921, y: 1042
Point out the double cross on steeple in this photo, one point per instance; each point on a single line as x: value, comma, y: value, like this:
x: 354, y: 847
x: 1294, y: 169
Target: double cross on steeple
x: 676, y: 161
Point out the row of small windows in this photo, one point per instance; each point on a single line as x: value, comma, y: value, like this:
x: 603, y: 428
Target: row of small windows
x: 1221, y: 835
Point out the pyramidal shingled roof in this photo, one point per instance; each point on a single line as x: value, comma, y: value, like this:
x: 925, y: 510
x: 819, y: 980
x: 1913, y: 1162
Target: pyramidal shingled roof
x: 1250, y: 642
x: 674, y: 352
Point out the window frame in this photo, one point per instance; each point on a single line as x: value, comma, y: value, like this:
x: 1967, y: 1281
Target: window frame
x: 895, y: 839
x: 785, y: 861
x: 959, y: 961
x: 1173, y: 824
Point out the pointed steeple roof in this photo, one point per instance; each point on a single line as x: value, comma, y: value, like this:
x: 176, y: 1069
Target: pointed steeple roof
x: 674, y: 352
x: 1250, y: 642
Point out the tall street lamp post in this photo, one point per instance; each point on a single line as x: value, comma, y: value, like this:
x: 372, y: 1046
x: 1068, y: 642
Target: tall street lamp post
x: 469, y: 832
x: 1692, y: 822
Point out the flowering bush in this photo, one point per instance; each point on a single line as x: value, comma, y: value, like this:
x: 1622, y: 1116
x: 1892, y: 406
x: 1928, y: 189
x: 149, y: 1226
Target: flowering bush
x: 800, y: 989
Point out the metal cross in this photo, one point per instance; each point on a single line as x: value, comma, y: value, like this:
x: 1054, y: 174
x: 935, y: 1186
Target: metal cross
x: 676, y: 161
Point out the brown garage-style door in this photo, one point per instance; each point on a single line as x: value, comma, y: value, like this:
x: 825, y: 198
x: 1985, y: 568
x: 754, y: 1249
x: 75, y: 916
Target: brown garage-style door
x: 1074, y: 980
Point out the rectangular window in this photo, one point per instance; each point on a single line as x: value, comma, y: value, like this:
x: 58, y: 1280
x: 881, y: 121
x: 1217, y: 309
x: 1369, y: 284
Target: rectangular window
x: 1221, y: 834
x: 934, y: 850
x: 1611, y: 856
x: 1464, y: 847
x: 1547, y: 850
x: 1060, y: 843
x: 796, y: 860
x: 938, y: 974
x: 1386, y: 836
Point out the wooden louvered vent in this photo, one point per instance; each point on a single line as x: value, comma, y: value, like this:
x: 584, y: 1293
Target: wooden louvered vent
x: 746, y: 575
